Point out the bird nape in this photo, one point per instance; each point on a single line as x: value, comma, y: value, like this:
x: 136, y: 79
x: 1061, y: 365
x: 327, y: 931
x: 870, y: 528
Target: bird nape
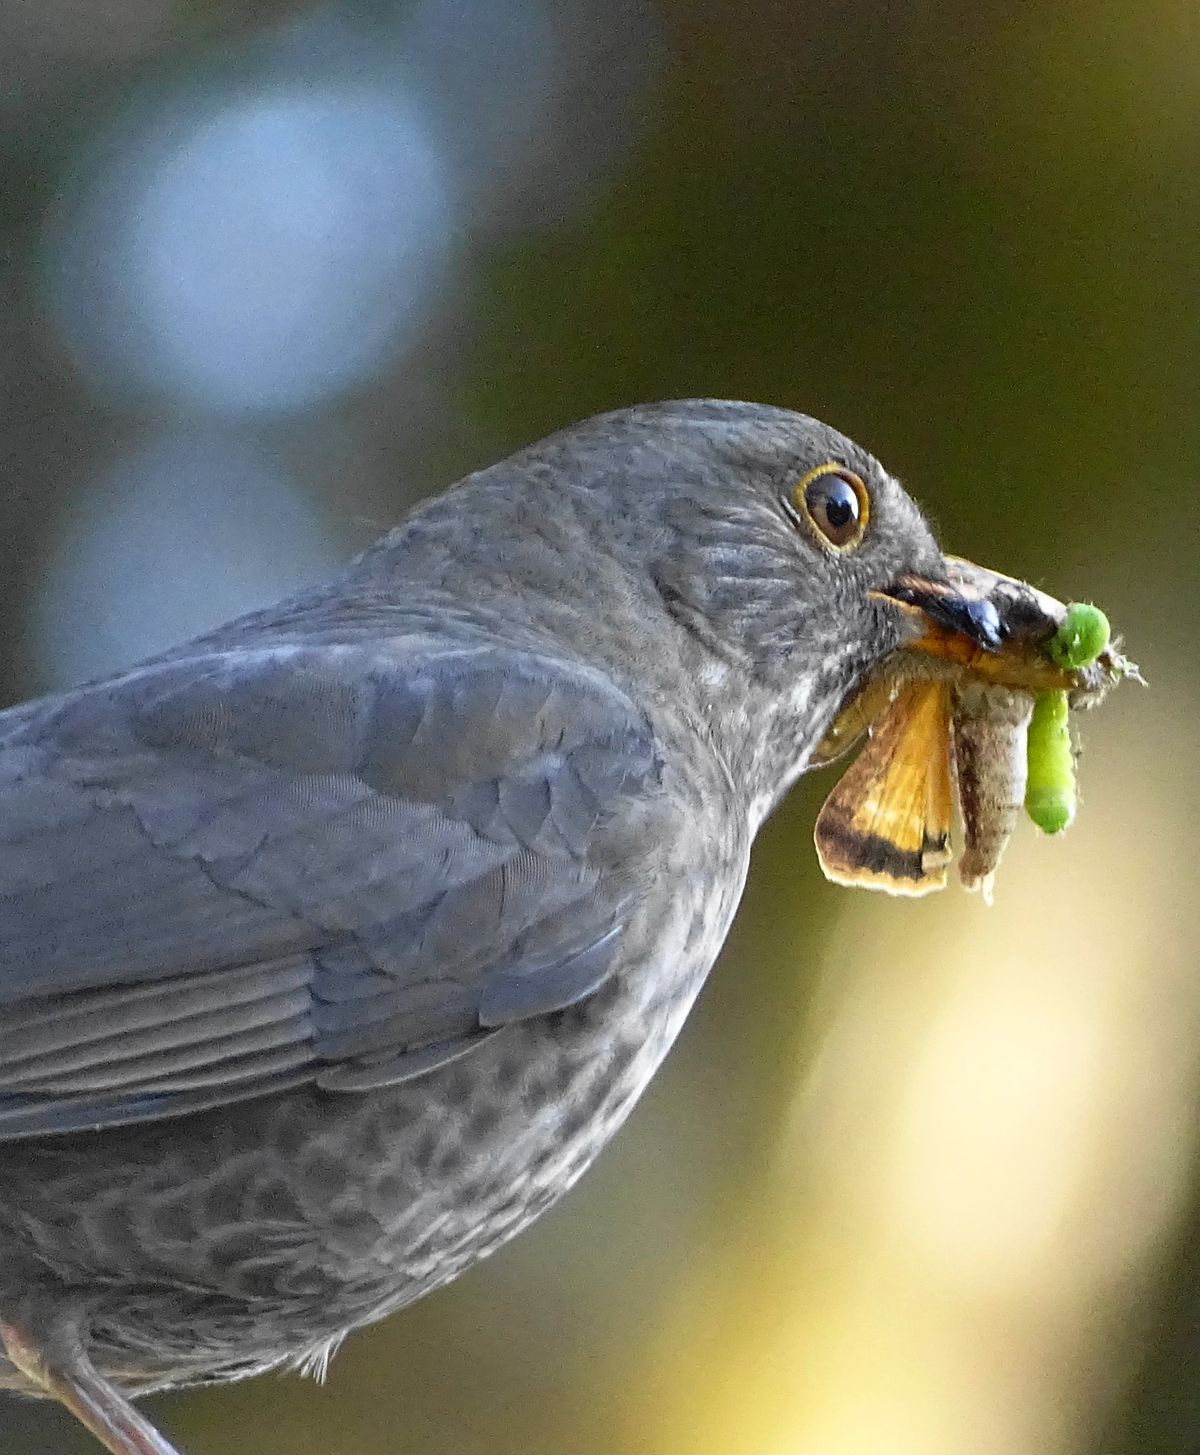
x: 335, y: 944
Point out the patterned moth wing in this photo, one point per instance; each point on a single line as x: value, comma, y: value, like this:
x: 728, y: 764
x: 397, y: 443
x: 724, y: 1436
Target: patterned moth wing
x: 886, y: 825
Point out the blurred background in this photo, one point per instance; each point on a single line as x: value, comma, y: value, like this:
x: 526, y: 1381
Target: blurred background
x: 920, y: 1178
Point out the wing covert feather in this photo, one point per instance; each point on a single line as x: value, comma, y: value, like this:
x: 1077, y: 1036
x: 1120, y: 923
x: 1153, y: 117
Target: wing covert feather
x: 230, y: 872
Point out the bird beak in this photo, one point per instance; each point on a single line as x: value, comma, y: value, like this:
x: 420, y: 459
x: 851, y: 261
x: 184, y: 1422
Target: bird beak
x: 943, y: 619
x: 979, y: 619
x: 968, y: 619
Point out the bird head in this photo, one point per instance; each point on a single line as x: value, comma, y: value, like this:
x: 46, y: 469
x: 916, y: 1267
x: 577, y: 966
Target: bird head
x: 792, y: 565
x: 747, y: 566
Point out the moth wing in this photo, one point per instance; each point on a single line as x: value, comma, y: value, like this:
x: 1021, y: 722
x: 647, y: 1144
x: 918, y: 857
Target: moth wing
x: 886, y: 825
x: 851, y: 724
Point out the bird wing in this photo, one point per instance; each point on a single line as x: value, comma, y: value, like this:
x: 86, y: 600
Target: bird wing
x: 227, y: 874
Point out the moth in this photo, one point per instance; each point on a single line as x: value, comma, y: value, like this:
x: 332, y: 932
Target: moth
x: 988, y: 730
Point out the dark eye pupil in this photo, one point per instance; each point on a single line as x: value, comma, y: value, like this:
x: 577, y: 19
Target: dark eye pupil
x: 841, y: 507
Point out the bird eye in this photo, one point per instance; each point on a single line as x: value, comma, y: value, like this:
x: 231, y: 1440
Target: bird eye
x: 833, y: 501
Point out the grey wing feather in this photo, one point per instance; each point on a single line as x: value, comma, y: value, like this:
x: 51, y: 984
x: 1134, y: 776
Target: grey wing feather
x: 224, y: 875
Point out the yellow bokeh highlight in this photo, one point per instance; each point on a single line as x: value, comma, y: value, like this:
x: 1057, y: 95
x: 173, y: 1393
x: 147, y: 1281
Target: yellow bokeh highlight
x: 989, y: 1147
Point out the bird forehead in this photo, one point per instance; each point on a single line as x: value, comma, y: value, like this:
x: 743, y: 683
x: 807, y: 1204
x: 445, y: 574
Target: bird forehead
x: 711, y: 441
x: 802, y: 445
x: 776, y: 462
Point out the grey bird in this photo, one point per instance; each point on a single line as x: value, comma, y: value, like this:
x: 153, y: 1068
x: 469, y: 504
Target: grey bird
x: 335, y: 944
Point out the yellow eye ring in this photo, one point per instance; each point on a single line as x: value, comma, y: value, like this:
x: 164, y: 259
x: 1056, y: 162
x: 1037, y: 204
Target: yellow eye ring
x: 834, y: 505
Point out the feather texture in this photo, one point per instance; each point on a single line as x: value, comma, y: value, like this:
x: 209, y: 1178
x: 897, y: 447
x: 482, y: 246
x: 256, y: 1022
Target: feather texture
x: 226, y: 873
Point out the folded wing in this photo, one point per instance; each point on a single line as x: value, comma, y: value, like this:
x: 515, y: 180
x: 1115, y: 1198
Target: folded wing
x: 233, y: 873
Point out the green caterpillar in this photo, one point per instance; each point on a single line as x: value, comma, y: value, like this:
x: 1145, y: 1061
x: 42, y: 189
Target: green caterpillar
x: 1050, y: 796
x: 1081, y: 637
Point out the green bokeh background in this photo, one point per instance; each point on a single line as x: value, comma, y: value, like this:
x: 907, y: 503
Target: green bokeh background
x: 967, y: 236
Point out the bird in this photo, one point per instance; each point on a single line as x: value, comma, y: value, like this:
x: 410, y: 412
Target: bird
x: 337, y: 942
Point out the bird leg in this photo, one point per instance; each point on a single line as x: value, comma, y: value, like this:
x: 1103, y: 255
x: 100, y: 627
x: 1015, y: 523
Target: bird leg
x: 55, y: 1360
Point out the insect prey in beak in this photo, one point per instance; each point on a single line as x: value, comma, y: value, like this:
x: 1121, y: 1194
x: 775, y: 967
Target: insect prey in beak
x: 984, y: 723
x: 990, y: 724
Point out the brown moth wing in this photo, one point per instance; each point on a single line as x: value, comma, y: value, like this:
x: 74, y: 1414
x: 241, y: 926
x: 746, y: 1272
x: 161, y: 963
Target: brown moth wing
x: 990, y: 725
x: 886, y: 825
x: 853, y: 722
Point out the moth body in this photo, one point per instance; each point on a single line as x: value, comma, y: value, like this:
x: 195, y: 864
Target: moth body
x: 989, y: 730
